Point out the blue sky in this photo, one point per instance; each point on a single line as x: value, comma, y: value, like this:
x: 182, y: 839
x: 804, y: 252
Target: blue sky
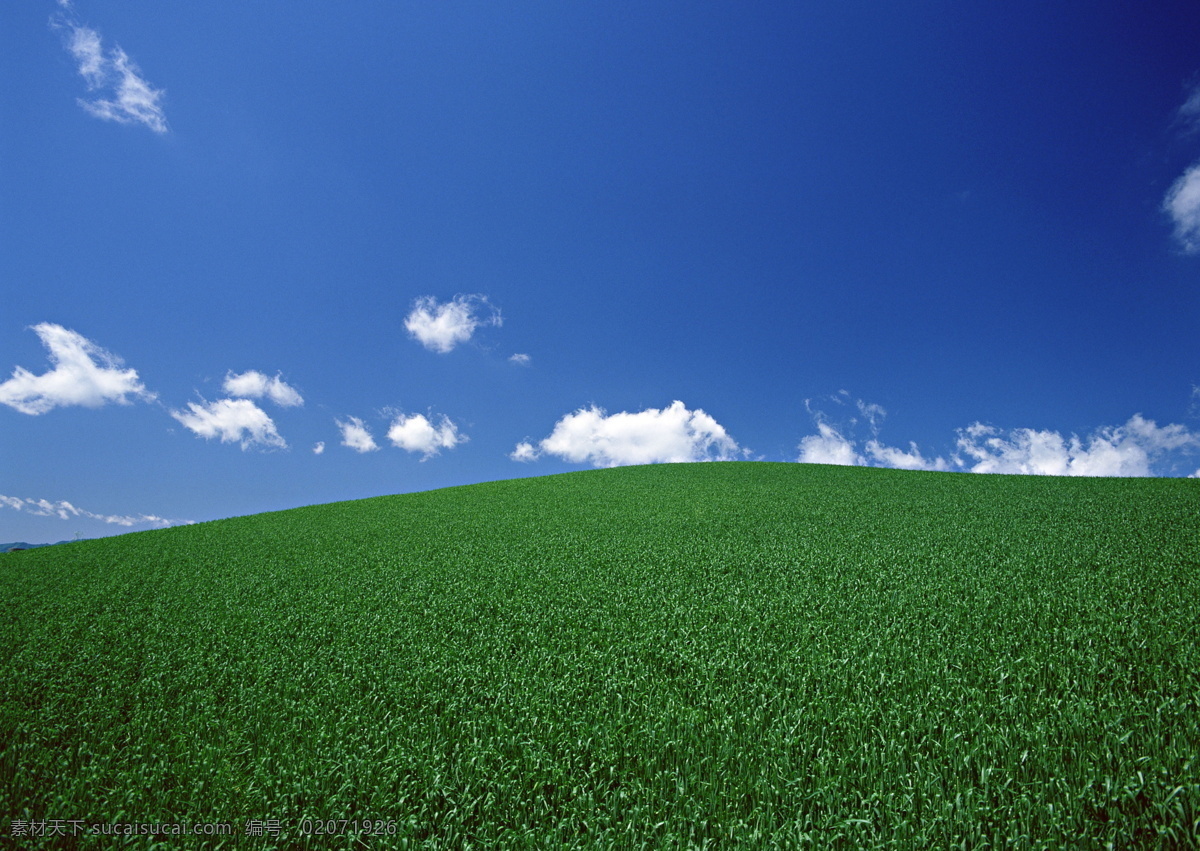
x: 453, y: 242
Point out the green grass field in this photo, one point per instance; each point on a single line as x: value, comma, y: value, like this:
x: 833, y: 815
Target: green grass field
x: 677, y: 656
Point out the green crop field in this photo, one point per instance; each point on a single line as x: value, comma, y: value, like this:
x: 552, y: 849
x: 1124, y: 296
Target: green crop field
x: 724, y: 655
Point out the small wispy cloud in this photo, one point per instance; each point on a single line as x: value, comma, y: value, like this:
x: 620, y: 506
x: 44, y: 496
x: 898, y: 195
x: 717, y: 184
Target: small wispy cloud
x: 255, y: 385
x: 82, y: 374
x: 520, y: 359
x: 1182, y: 204
x: 898, y: 459
x: 120, y: 92
x: 1182, y: 201
x: 1187, y: 118
x: 441, y: 327
x: 65, y: 511
x: 652, y: 436
x: 231, y: 421
x: 418, y: 433
x: 874, y: 414
x: 319, y: 447
x: 355, y: 435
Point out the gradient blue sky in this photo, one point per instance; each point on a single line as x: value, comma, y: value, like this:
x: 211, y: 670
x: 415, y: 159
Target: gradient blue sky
x: 827, y: 230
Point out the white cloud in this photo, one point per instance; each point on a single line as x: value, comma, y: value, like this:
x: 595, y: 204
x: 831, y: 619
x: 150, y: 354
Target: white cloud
x: 828, y: 447
x: 356, y: 436
x: 1134, y: 449
x: 319, y: 447
x: 652, y: 436
x: 65, y: 511
x: 521, y: 360
x: 1024, y: 450
x: 1182, y: 203
x: 417, y: 433
x: 898, y: 459
x: 83, y: 374
x: 1128, y: 450
x: 84, y: 45
x: 524, y: 451
x: 1189, y: 113
x: 231, y: 420
x: 441, y: 327
x: 873, y: 413
x: 122, y: 94
x: 255, y: 385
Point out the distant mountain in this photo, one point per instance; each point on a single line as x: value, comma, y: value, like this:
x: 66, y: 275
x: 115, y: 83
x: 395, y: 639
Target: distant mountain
x: 21, y: 545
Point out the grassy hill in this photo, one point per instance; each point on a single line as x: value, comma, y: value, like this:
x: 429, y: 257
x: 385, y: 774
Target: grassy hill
x: 705, y: 655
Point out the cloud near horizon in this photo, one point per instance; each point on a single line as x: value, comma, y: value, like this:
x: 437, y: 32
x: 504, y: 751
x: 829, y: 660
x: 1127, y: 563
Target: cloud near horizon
x: 1129, y: 450
x: 232, y: 421
x: 898, y: 459
x: 653, y: 436
x: 65, y: 511
x: 828, y: 446
x: 441, y: 327
x: 123, y: 95
x: 83, y: 374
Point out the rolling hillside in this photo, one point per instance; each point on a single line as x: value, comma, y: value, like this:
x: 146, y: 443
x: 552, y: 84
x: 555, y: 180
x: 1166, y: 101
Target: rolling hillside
x: 705, y: 655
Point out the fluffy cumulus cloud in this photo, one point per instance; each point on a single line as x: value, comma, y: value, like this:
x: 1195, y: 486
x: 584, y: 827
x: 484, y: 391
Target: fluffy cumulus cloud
x: 653, y: 436
x: 418, y: 433
x: 441, y: 327
x: 319, y: 447
x: 255, y: 385
x: 65, y: 511
x: 231, y: 421
x: 1138, y: 448
x: 119, y: 91
x: 524, y: 451
x: 828, y: 447
x: 355, y: 435
x: 82, y: 374
x: 1128, y: 450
